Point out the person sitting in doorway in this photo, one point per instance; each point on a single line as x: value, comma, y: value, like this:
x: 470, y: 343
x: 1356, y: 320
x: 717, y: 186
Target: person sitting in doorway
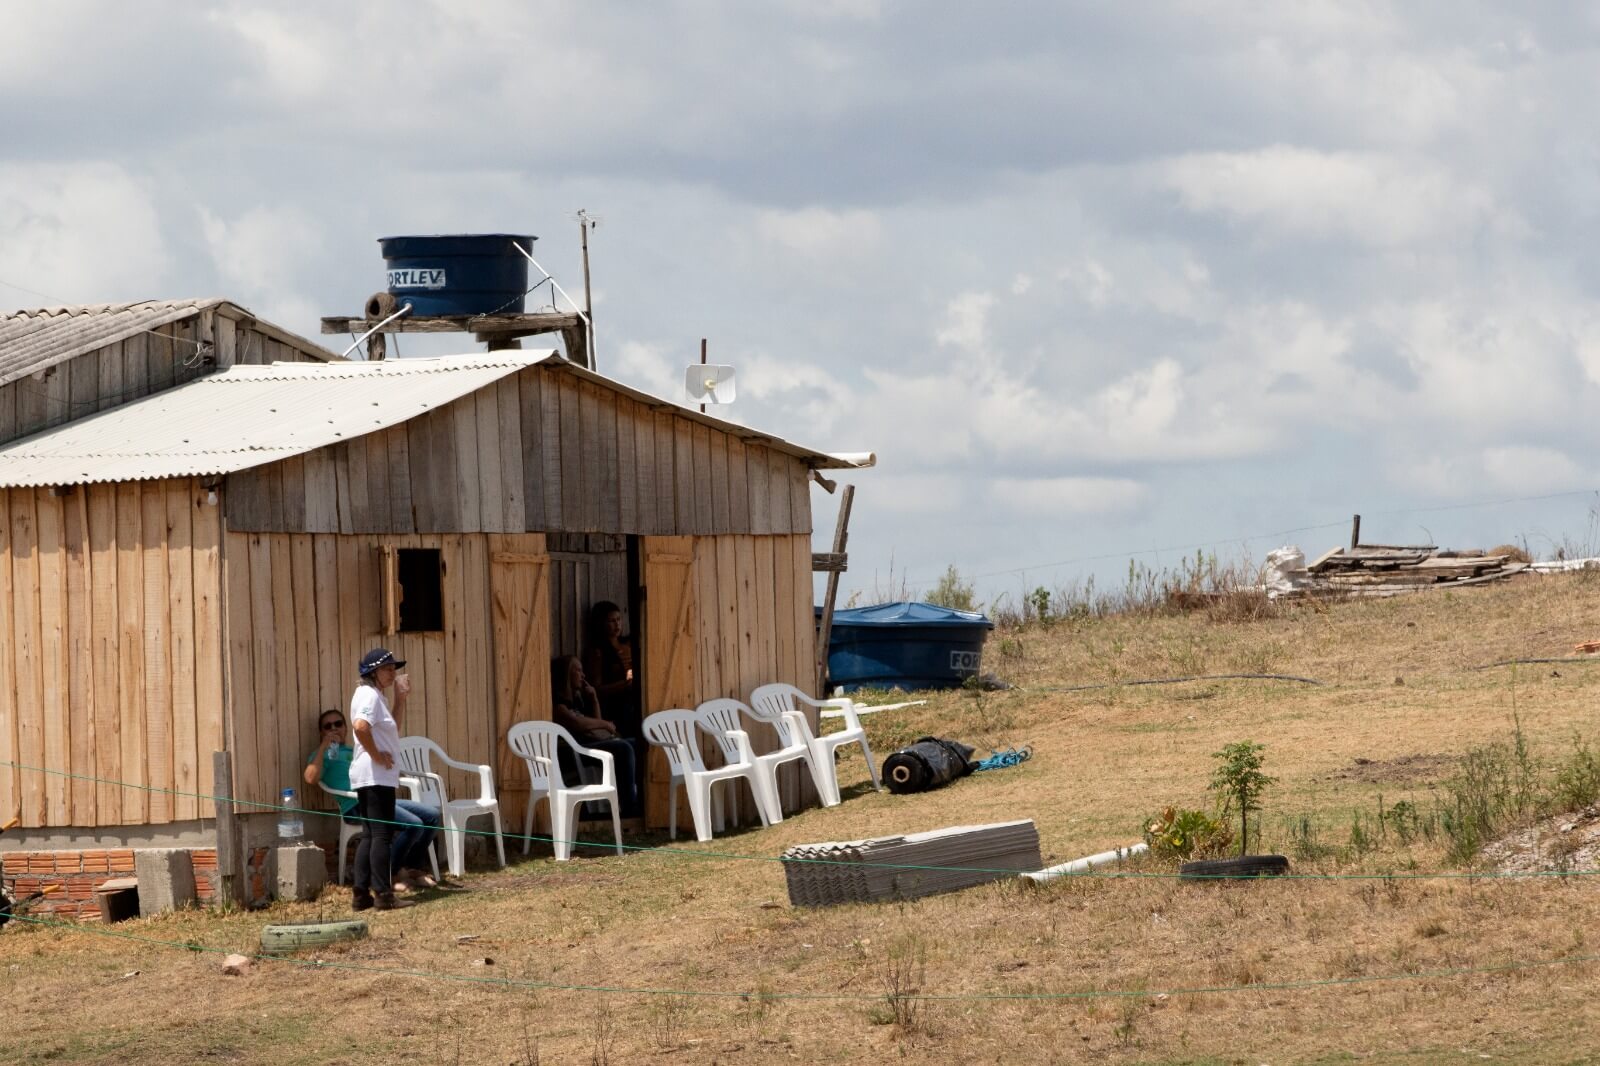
x: 575, y: 706
x: 609, y: 668
x: 416, y: 823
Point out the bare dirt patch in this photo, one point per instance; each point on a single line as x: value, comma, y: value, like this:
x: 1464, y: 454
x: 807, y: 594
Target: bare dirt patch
x: 1419, y: 769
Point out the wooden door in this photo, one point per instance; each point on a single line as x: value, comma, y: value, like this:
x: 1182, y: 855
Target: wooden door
x: 670, y: 654
x: 519, y: 588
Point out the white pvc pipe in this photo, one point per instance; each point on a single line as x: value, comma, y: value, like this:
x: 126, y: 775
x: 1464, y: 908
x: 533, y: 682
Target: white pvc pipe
x: 403, y: 309
x: 1088, y: 862
x: 862, y: 708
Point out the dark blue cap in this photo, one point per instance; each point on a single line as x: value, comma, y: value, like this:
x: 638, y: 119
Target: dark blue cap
x: 378, y: 657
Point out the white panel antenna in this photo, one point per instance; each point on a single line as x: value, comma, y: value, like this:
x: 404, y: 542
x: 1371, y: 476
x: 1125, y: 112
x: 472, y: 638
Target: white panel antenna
x: 709, y: 383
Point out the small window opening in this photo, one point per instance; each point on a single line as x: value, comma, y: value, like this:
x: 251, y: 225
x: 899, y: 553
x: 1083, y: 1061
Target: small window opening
x: 419, y: 590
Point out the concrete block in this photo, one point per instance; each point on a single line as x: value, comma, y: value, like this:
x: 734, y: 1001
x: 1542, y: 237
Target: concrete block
x: 166, y: 879
x: 302, y: 871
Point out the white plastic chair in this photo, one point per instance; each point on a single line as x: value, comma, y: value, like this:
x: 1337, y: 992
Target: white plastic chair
x: 724, y: 715
x: 348, y: 831
x: 773, y: 702
x: 415, y: 758
x: 539, y: 745
x: 676, y: 733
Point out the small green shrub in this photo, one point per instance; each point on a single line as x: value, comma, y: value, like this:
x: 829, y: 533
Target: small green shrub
x: 954, y: 592
x: 1239, y: 780
x: 1577, y: 778
x: 1179, y: 833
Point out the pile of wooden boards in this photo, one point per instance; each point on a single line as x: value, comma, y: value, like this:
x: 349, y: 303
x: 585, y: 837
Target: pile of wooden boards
x: 906, y: 867
x: 1383, y: 570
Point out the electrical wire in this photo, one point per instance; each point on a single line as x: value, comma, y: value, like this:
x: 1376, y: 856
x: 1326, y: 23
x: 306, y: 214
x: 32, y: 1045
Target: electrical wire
x: 1266, y: 536
x: 834, y: 997
x: 678, y: 852
x: 1179, y: 681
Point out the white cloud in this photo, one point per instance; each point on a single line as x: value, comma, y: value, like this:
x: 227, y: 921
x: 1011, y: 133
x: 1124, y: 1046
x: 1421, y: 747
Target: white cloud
x: 966, y: 322
x: 79, y: 233
x: 264, y: 249
x: 819, y: 232
x: 1361, y: 198
x: 1527, y: 470
x: 1062, y: 496
x: 652, y: 368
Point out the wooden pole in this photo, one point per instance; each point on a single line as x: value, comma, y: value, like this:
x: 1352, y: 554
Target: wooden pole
x: 228, y: 845
x: 841, y: 533
x: 588, y: 297
x: 1355, y: 532
x: 702, y: 363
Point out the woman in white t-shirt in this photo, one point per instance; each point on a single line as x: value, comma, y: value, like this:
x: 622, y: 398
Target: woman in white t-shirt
x: 374, y: 775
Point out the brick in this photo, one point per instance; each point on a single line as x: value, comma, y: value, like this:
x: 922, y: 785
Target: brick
x: 69, y: 862
x: 96, y: 862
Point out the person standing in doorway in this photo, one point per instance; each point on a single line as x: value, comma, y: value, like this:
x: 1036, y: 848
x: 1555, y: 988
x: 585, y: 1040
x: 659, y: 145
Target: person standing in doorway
x: 609, y: 668
x: 374, y: 775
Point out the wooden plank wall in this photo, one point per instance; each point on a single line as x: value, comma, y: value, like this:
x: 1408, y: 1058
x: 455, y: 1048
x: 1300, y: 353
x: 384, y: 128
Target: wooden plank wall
x: 110, y: 655
x: 746, y: 624
x: 144, y: 363
x: 302, y: 608
x: 541, y: 451
x: 755, y: 628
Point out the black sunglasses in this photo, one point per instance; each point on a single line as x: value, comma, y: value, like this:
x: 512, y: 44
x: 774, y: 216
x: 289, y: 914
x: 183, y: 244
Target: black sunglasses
x: 336, y: 724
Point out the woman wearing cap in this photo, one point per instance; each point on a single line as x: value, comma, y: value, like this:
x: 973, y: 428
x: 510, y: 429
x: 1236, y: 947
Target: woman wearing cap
x: 374, y: 775
x: 329, y: 764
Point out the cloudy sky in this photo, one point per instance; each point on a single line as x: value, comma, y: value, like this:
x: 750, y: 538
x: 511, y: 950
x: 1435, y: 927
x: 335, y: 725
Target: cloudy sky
x: 1091, y: 279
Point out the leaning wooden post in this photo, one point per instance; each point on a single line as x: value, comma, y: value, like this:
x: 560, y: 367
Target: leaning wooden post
x: 840, y: 533
x: 228, y: 850
x: 1355, y: 532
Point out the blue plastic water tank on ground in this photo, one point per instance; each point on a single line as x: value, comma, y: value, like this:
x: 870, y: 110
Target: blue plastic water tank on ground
x: 460, y: 274
x: 909, y: 645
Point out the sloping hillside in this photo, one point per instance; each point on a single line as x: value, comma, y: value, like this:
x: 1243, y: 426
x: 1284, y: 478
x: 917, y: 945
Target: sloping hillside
x: 1378, y: 768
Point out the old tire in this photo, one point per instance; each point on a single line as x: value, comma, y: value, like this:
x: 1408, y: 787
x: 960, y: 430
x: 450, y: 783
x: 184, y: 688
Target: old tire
x: 1235, y: 868
x: 297, y: 936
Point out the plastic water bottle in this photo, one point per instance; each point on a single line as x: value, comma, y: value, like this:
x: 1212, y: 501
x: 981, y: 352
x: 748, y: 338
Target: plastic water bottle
x: 290, y: 827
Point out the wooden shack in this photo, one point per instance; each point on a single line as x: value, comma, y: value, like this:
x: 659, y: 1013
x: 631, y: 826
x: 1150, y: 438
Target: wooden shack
x: 200, y: 570
x: 61, y: 363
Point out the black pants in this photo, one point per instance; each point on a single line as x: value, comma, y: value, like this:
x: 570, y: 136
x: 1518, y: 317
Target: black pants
x: 375, y: 805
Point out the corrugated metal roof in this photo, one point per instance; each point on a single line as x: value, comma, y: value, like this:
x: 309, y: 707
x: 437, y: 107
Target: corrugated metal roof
x: 248, y: 416
x: 37, y: 339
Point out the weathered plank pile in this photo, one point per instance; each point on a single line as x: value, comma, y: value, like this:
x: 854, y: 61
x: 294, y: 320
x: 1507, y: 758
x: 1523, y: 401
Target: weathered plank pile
x: 1383, y: 570
x: 906, y: 867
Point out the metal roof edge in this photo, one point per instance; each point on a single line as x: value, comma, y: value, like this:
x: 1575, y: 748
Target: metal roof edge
x: 171, y: 315
x: 815, y: 459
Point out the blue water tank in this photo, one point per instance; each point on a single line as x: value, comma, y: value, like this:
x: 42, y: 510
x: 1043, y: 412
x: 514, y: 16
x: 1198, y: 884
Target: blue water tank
x: 905, y: 645
x: 459, y: 274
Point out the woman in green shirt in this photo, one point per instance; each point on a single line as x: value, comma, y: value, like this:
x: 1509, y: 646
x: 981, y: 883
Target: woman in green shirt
x: 416, y: 822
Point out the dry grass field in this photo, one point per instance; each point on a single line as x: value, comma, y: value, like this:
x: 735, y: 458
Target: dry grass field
x: 1137, y: 969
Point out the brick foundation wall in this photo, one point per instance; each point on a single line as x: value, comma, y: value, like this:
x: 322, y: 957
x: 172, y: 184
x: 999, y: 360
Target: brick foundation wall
x: 80, y: 872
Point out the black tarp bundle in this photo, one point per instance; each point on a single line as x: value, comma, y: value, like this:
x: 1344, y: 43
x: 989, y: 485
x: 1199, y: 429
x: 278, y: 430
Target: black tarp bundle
x: 932, y: 762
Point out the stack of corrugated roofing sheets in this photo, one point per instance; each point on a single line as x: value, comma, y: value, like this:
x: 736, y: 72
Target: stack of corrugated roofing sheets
x: 905, y: 867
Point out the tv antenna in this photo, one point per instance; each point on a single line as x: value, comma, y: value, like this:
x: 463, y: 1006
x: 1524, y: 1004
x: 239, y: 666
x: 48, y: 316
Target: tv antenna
x: 587, y: 222
x: 708, y: 382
